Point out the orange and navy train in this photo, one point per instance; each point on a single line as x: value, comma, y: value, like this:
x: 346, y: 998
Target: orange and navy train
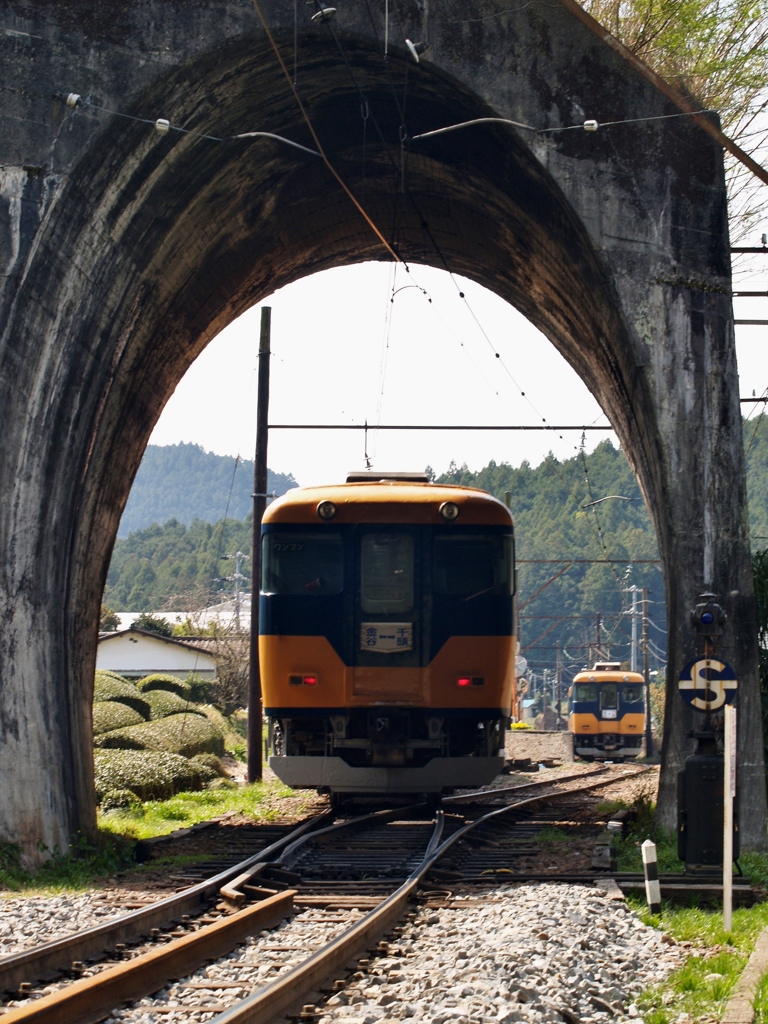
x: 387, y: 635
x: 607, y: 712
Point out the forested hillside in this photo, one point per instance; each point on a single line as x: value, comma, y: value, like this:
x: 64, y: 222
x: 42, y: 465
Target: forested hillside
x: 184, y: 482
x: 551, y: 524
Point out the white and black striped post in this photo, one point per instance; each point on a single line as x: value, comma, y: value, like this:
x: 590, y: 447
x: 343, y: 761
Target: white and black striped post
x: 651, y: 869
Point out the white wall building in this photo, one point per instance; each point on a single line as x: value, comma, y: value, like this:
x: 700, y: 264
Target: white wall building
x: 138, y: 652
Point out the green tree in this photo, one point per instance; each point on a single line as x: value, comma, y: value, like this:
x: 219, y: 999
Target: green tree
x: 108, y: 621
x: 154, y: 623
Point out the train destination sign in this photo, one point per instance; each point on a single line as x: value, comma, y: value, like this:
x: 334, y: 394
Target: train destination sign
x: 386, y: 637
x: 707, y: 684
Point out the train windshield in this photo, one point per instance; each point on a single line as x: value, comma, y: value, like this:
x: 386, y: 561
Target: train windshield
x: 632, y: 694
x: 302, y: 563
x: 386, y: 573
x: 585, y: 692
x: 466, y: 565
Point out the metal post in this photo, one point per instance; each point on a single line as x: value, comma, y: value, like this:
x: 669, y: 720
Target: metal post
x: 633, y: 652
x: 255, y: 745
x: 647, y: 677
x: 729, y: 792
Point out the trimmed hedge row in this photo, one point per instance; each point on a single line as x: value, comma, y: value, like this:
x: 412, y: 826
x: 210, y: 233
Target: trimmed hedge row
x: 163, y: 681
x: 106, y: 688
x: 112, y: 714
x: 186, y: 734
x: 164, y: 703
x: 147, y: 773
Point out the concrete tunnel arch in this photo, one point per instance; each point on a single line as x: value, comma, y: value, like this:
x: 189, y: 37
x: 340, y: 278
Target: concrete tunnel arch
x: 153, y: 243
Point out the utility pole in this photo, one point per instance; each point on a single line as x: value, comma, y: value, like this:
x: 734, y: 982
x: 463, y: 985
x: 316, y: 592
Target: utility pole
x: 598, y: 640
x: 633, y: 651
x: 255, y: 745
x: 647, y: 677
x: 559, y: 676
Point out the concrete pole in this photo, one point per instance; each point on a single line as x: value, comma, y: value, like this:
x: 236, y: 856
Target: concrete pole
x: 633, y: 653
x: 259, y: 504
x: 729, y: 792
x: 647, y: 677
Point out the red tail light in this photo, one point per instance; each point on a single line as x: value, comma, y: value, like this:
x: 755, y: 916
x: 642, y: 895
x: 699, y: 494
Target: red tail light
x: 464, y: 681
x: 310, y: 680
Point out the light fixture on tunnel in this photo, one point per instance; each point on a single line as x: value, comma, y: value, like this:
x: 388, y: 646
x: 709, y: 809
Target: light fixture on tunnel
x: 322, y: 13
x: 416, y: 49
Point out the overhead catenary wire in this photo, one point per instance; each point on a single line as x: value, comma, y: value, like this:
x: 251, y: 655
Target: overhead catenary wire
x: 316, y: 139
x: 588, y: 125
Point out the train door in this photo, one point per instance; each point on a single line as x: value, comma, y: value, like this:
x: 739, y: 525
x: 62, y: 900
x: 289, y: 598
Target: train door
x: 609, y: 701
x: 388, y: 621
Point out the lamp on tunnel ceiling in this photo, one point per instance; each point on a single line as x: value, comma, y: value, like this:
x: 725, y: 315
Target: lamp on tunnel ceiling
x: 416, y: 49
x: 322, y: 13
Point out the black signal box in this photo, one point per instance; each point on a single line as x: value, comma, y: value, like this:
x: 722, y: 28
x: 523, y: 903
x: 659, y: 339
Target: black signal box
x: 700, y: 809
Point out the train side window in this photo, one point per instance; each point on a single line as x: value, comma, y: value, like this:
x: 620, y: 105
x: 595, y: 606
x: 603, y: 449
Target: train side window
x: 632, y: 694
x: 468, y: 566
x: 585, y: 692
x: 386, y: 573
x: 302, y: 563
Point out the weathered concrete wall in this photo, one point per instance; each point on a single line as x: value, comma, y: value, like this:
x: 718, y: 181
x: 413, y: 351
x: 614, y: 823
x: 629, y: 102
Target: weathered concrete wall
x: 522, y: 743
x: 123, y: 252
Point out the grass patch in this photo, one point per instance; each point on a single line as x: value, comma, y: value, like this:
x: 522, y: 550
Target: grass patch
x: 761, y: 1001
x: 72, y: 872
x: 156, y: 818
x: 550, y: 837
x: 608, y: 807
x: 687, y: 990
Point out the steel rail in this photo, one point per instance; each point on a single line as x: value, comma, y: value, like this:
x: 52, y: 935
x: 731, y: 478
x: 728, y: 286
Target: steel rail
x: 501, y: 790
x: 276, y: 998
x: 59, y: 954
x: 91, y: 999
x: 231, y: 892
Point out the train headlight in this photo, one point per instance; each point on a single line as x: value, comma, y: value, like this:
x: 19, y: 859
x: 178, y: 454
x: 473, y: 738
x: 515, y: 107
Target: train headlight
x: 326, y: 510
x: 449, y: 510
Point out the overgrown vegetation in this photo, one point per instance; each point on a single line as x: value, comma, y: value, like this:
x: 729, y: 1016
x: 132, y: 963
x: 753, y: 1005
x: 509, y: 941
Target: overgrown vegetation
x: 715, y: 52
x: 66, y: 872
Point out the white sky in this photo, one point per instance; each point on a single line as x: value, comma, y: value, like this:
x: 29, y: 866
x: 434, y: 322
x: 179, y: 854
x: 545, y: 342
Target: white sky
x: 336, y: 359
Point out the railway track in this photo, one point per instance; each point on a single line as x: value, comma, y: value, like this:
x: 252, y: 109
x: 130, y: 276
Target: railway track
x: 366, y: 869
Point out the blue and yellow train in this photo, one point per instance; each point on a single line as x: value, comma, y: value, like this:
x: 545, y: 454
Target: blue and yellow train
x: 607, y: 713
x: 387, y: 635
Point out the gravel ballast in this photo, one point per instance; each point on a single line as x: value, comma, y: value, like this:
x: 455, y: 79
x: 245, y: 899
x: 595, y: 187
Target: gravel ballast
x: 27, y: 921
x: 533, y: 953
